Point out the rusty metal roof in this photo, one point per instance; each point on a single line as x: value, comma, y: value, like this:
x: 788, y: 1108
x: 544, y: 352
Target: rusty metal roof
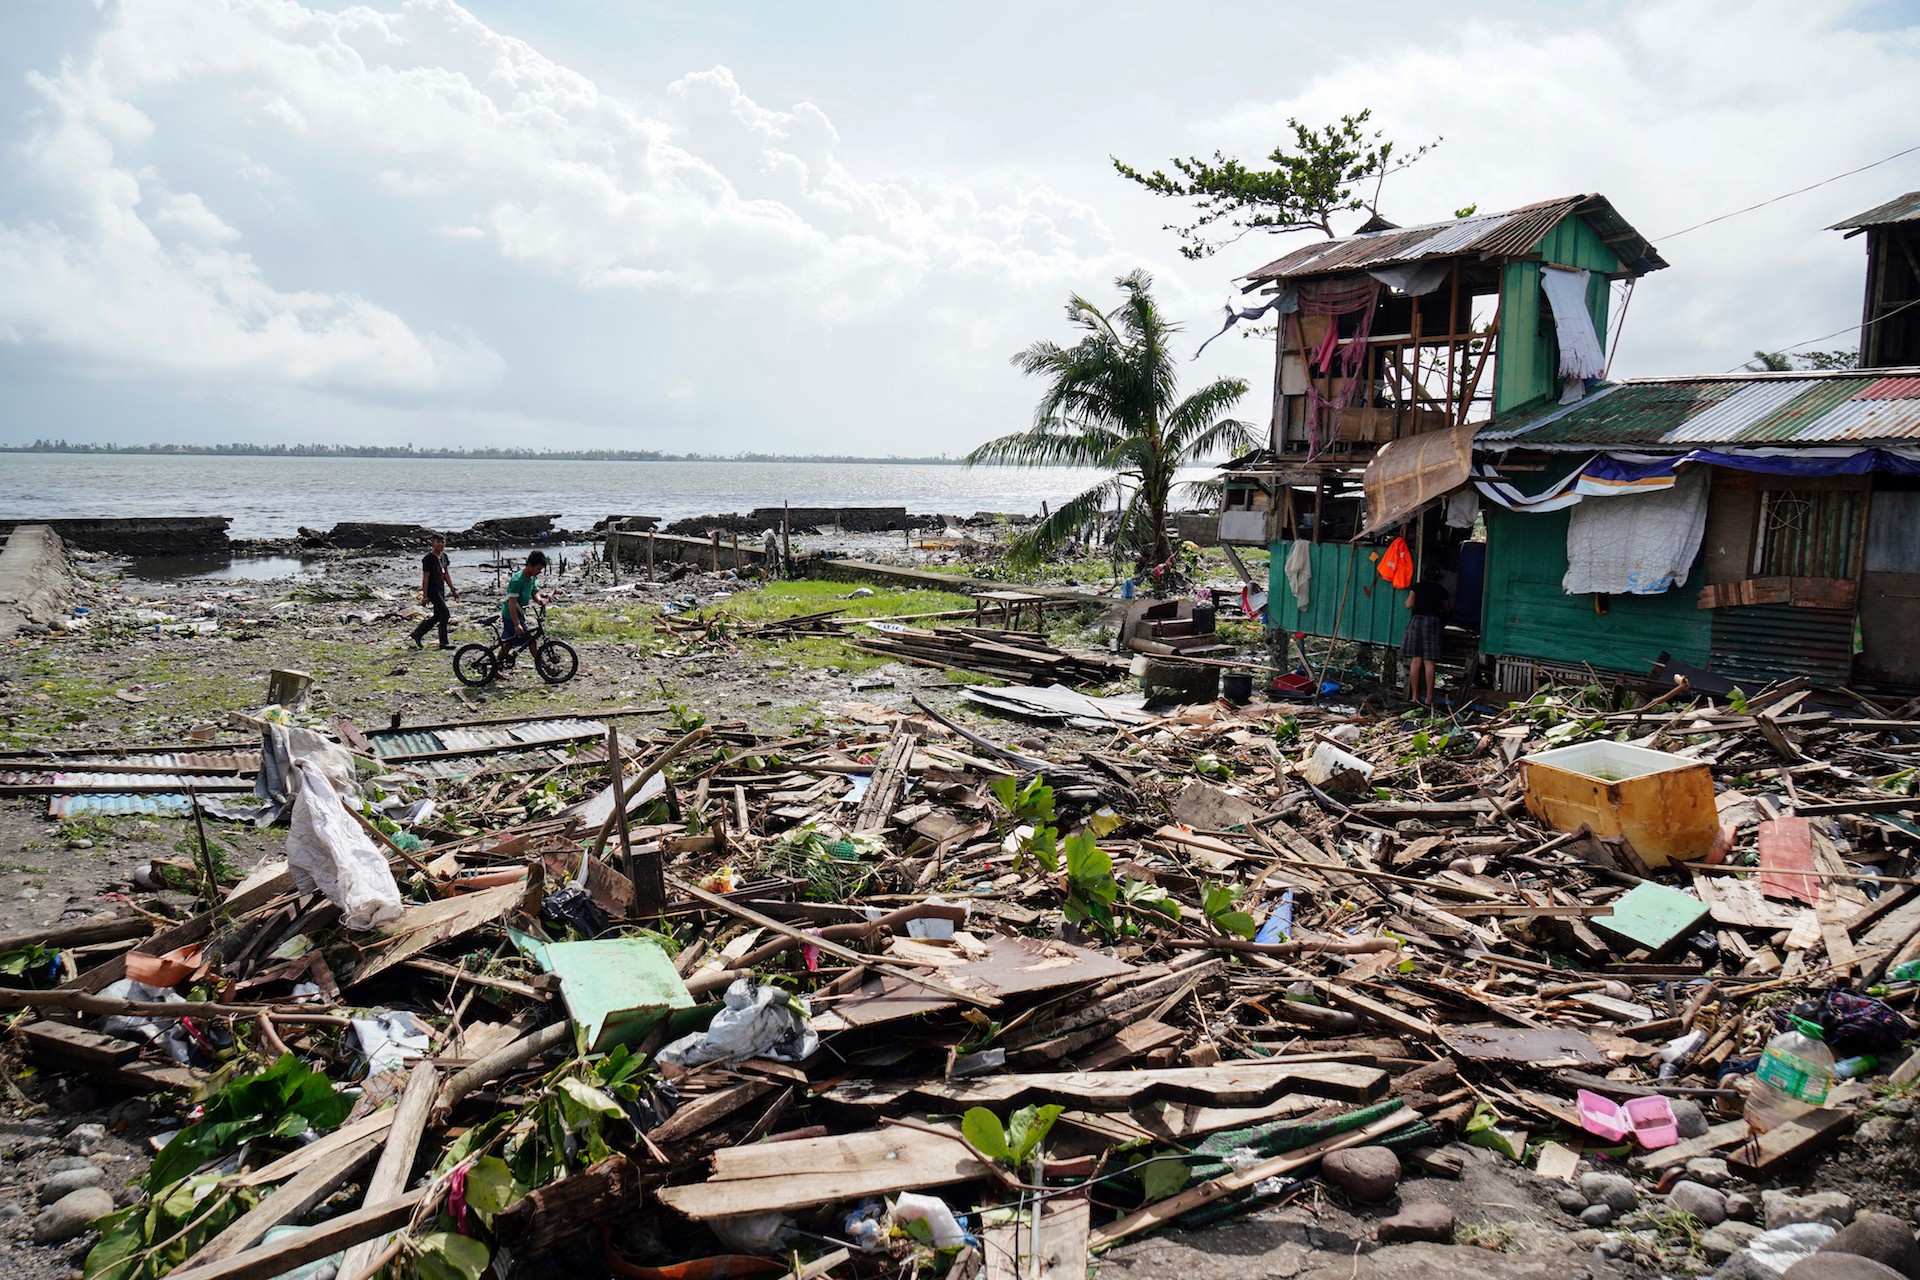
x: 1904, y: 208
x: 1493, y: 235
x: 1853, y: 406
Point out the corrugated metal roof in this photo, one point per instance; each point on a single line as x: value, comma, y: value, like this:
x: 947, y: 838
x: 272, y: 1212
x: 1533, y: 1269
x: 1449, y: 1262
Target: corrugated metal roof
x: 1494, y: 234
x: 1904, y: 208
x: 1862, y: 406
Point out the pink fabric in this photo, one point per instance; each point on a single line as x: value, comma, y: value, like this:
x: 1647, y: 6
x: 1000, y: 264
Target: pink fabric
x: 1336, y: 301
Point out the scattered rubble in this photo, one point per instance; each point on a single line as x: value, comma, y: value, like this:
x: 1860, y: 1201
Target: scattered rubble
x: 630, y: 989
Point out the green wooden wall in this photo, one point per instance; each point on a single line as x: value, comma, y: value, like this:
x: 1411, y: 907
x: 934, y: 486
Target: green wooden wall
x: 1374, y: 614
x: 1526, y: 614
x: 1528, y: 355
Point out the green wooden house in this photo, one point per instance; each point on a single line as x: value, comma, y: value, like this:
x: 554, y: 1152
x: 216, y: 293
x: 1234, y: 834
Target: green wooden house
x: 1392, y: 344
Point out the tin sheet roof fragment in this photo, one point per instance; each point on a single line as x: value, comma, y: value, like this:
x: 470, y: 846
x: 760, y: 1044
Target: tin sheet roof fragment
x: 1854, y: 406
x: 1904, y: 208
x: 1495, y: 235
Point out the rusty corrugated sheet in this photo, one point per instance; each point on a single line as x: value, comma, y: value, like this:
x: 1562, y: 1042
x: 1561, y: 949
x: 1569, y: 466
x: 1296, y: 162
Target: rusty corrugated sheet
x: 1854, y: 406
x: 1514, y: 232
x: 1904, y: 208
x: 1756, y: 644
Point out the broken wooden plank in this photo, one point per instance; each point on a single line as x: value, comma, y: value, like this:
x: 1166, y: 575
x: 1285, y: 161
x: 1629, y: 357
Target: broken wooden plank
x: 1243, y: 1082
x: 1796, y: 1139
x: 816, y: 1171
x: 1540, y: 1047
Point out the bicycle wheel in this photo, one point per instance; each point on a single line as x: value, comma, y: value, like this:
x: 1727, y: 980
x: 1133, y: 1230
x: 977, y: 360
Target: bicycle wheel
x: 556, y: 661
x: 474, y: 664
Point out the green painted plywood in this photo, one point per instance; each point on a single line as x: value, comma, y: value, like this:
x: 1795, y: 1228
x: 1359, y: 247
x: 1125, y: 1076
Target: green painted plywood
x: 1374, y: 612
x: 1526, y: 614
x: 1528, y: 355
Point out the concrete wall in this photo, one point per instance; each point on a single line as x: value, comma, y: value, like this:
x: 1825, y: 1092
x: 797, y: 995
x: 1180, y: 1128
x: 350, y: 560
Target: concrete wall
x: 139, y: 535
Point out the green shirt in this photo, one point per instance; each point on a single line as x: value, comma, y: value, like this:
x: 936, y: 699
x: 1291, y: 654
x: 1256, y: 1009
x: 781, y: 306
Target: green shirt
x: 521, y: 587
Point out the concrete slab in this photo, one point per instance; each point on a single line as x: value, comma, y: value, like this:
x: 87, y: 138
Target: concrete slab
x: 36, y: 581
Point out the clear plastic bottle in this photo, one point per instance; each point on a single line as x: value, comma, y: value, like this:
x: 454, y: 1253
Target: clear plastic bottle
x: 1793, y: 1077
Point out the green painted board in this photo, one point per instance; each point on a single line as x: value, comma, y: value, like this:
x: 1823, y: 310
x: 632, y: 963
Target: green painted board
x: 616, y: 989
x: 1374, y: 613
x: 1653, y: 916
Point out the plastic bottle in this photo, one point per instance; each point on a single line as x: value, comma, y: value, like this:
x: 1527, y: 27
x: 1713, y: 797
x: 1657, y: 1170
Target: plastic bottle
x: 1908, y: 972
x: 1793, y: 1077
x: 1860, y: 1064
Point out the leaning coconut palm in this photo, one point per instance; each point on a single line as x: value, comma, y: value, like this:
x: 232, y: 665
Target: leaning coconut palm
x: 1110, y: 404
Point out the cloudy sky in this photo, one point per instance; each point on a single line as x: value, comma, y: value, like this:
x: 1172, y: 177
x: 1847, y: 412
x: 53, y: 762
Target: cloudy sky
x: 823, y: 227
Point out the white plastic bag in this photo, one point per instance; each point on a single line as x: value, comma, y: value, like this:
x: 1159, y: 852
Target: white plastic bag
x: 327, y: 850
x: 758, y: 1022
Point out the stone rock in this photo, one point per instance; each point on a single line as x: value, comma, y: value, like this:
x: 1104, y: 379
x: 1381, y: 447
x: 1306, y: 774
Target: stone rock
x: 1727, y: 1239
x: 1610, y: 1189
x: 1570, y: 1201
x: 1368, y: 1174
x: 71, y: 1215
x: 1882, y: 1237
x: 1881, y: 1131
x: 1838, y: 1266
x: 68, y: 1181
x: 1586, y: 1238
x: 1784, y: 1209
x: 1688, y: 1115
x: 85, y: 1139
x: 1740, y: 1205
x: 1700, y: 1200
x: 1597, y: 1215
x: 1709, y: 1171
x: 1427, y: 1220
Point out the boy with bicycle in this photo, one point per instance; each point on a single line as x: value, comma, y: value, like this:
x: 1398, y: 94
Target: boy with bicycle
x: 522, y: 591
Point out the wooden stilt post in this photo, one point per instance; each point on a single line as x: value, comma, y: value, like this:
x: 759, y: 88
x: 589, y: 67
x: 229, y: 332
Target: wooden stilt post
x: 649, y: 555
x: 786, y: 539
x: 716, y: 551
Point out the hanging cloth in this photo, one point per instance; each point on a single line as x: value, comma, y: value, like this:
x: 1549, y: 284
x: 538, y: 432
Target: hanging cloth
x: 1580, y: 354
x: 1397, y: 565
x: 1299, y: 571
x: 1335, y: 300
x: 1639, y: 545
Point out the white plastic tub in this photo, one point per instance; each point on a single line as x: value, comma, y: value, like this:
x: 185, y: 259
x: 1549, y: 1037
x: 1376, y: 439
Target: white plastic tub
x: 1662, y: 803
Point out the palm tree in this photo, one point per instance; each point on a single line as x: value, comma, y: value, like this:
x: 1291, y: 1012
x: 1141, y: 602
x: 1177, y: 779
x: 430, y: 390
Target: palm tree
x: 1110, y: 403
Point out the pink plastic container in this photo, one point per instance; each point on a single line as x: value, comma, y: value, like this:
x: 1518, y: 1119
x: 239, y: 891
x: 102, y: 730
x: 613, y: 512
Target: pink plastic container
x: 1648, y: 1120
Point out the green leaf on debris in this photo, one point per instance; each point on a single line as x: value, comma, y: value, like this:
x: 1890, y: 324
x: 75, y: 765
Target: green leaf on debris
x: 284, y: 1101
x: 445, y: 1255
x: 1216, y: 903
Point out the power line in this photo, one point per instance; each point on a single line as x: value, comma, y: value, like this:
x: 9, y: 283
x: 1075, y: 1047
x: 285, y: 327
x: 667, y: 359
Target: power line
x: 1786, y: 194
x: 1807, y: 342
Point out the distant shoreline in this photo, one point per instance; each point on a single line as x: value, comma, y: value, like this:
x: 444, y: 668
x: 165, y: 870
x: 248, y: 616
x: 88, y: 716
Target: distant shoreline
x: 436, y: 455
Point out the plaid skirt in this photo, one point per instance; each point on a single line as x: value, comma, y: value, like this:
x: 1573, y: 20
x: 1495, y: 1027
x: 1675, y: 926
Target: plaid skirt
x: 1422, y: 639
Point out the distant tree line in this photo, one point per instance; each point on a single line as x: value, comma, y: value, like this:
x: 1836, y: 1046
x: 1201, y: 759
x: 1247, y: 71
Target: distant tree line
x: 238, y: 450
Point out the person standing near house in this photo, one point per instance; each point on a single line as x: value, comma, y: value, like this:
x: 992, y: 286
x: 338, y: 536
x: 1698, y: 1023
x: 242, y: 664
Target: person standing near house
x: 1421, y: 645
x: 436, y: 585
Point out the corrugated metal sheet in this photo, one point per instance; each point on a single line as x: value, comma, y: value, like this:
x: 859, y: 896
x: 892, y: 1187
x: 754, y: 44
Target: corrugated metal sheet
x: 1904, y: 208
x: 495, y: 737
x: 1756, y: 644
x: 1855, y: 406
x: 171, y: 806
x: 1516, y: 231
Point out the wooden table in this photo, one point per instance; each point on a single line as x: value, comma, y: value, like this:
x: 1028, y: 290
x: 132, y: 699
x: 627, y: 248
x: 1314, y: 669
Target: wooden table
x: 1010, y: 604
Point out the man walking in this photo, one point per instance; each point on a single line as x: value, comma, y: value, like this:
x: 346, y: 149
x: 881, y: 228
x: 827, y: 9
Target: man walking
x: 436, y: 584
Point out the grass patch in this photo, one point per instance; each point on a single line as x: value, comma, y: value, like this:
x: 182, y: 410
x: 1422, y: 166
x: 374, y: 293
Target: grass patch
x: 92, y: 826
x: 627, y: 623
x: 1494, y: 1236
x: 793, y: 599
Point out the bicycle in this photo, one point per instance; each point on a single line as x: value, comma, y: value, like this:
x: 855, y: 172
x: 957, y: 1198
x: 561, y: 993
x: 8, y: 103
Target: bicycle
x: 479, y: 664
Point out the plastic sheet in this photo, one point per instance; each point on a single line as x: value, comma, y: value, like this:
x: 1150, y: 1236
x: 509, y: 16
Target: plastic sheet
x: 327, y: 850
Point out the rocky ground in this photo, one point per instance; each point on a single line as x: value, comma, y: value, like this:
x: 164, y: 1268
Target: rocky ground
x: 144, y: 670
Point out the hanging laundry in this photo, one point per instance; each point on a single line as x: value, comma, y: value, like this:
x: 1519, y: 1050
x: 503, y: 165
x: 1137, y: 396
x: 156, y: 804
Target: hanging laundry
x: 1299, y: 571
x: 1639, y: 545
x: 1397, y: 565
x: 1580, y: 354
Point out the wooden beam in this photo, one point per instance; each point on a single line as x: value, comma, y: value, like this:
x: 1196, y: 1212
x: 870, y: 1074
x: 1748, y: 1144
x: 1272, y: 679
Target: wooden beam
x: 311, y: 1245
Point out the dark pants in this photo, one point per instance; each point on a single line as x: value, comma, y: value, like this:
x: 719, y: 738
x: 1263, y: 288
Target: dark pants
x: 439, y: 619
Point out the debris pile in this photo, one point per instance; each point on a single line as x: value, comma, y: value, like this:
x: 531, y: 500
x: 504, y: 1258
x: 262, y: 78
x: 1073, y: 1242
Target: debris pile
x: 571, y: 996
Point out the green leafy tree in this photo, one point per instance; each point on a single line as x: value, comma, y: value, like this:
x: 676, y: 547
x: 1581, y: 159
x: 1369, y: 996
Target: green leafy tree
x: 1781, y: 362
x: 1111, y: 403
x: 1325, y: 172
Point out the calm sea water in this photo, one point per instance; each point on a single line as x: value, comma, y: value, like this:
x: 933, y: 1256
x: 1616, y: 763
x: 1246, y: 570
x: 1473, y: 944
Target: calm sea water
x: 273, y: 497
